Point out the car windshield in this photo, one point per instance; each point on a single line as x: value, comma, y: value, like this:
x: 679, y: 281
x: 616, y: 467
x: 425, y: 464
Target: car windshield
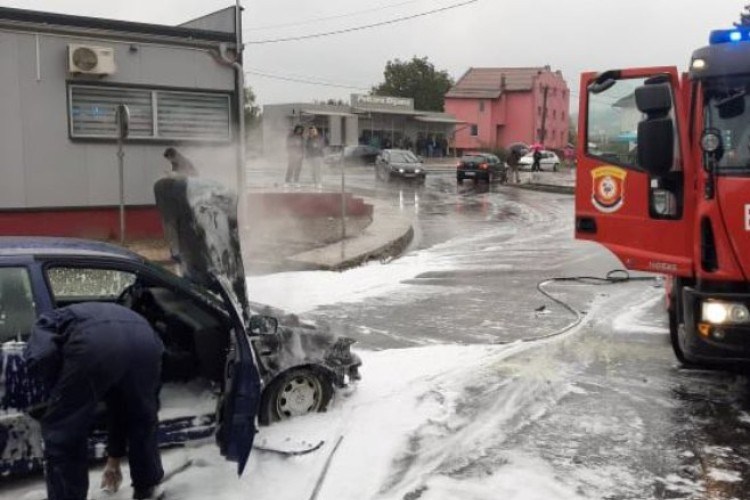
x: 403, y: 157
x: 727, y: 109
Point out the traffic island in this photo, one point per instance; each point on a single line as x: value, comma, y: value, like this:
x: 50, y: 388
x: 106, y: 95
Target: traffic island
x: 301, y: 230
x: 387, y: 237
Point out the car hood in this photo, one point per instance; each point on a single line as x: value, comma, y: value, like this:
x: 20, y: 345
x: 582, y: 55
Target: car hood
x: 200, y: 225
x: 406, y: 166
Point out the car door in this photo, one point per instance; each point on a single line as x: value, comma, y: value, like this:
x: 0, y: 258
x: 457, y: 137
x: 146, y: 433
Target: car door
x: 20, y: 448
x: 240, y: 400
x: 618, y: 202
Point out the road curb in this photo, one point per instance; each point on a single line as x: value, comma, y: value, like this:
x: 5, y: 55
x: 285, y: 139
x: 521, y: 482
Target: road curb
x: 547, y: 188
x: 387, y: 237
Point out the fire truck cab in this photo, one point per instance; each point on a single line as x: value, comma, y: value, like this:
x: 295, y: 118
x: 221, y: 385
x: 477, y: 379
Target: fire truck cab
x: 663, y: 182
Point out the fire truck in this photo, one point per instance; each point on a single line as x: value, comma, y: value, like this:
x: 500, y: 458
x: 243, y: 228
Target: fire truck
x: 663, y: 182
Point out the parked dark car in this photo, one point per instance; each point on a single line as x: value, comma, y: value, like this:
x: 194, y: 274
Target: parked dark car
x: 211, y: 332
x: 484, y: 166
x: 352, y: 156
x: 399, y: 163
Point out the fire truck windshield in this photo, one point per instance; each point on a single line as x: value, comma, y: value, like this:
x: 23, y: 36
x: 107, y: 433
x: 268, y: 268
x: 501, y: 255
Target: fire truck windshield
x: 727, y: 109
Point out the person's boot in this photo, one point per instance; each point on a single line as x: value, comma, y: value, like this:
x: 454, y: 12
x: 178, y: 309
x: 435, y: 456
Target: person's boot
x: 146, y: 492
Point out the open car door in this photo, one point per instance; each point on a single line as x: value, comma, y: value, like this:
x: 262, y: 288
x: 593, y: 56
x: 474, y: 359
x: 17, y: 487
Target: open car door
x: 637, y: 205
x: 239, y: 403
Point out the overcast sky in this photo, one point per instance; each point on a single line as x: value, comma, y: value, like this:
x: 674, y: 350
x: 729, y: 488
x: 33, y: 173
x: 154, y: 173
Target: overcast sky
x: 569, y: 35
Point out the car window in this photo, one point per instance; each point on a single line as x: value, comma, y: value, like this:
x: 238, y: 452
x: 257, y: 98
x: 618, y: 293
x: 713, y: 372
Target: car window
x: 403, y: 157
x: 69, y: 283
x: 17, y: 308
x: 472, y: 158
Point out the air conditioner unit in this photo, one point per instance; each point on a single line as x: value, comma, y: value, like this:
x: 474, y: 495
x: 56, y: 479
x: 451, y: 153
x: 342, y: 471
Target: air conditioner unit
x: 90, y: 60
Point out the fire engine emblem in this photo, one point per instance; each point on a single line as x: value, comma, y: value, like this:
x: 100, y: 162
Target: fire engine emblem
x: 609, y: 188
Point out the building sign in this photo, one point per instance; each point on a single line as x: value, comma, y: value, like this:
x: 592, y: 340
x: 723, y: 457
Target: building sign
x: 382, y: 102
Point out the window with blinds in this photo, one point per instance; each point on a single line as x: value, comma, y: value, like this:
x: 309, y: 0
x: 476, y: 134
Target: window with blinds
x: 154, y: 114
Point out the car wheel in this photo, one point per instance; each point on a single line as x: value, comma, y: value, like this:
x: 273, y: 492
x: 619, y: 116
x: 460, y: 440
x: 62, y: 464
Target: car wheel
x: 460, y: 179
x: 295, y: 393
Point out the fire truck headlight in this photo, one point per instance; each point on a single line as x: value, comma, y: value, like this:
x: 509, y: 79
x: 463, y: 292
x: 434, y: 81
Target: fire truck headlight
x: 719, y: 313
x: 699, y: 64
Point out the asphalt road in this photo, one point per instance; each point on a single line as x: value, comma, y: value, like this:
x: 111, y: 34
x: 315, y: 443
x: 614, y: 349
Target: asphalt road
x: 620, y: 420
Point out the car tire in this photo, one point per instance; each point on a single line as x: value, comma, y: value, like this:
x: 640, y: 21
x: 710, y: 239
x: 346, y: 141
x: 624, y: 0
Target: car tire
x: 460, y: 179
x: 674, y: 337
x: 294, y: 393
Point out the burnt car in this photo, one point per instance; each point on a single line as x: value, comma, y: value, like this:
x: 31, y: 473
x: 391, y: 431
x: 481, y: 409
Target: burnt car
x: 481, y: 166
x: 399, y: 163
x: 217, y: 342
x: 353, y: 156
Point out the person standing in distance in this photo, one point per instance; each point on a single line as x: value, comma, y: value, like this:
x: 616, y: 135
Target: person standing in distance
x: 87, y: 353
x: 295, y: 144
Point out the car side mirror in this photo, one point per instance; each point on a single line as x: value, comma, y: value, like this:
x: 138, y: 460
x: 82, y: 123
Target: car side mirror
x: 263, y: 325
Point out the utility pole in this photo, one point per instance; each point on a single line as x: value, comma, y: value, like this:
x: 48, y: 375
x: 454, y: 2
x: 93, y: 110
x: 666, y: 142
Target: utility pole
x: 122, y: 119
x: 241, y: 147
x: 543, y: 132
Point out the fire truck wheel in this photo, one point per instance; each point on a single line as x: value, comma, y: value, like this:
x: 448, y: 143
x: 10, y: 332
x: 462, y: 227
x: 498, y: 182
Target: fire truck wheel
x: 674, y: 337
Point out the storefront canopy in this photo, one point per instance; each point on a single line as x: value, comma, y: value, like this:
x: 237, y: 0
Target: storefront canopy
x: 437, y: 119
x: 325, y: 112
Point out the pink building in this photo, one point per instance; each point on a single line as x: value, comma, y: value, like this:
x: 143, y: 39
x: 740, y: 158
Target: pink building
x: 501, y: 106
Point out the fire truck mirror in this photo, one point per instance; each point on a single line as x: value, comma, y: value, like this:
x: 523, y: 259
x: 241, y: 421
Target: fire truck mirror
x: 604, y: 81
x: 664, y: 203
x: 656, y: 145
x: 654, y: 100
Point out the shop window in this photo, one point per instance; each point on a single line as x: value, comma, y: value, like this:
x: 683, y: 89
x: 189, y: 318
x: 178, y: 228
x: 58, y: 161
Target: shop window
x: 154, y: 114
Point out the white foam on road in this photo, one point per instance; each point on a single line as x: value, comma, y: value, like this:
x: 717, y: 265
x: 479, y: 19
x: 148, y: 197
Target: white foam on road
x: 304, y: 291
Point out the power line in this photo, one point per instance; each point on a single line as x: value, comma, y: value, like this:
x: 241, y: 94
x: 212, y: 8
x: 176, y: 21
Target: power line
x: 359, y: 28
x: 327, y: 18
x: 308, y: 81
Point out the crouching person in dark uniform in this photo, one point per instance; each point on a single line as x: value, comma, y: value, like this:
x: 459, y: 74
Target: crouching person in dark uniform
x: 88, y: 353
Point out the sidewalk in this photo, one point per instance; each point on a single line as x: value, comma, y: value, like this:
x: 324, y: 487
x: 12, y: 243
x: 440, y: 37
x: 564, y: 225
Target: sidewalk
x: 562, y: 181
x: 387, y: 236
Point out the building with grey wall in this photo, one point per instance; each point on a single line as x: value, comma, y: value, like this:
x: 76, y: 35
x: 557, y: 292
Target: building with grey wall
x: 364, y: 120
x: 63, y: 76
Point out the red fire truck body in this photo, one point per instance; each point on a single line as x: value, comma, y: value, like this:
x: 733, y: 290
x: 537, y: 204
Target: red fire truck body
x: 663, y: 182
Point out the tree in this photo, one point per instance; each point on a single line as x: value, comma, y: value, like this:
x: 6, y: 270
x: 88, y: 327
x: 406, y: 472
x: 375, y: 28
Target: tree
x: 744, y: 18
x: 252, y: 110
x: 417, y: 79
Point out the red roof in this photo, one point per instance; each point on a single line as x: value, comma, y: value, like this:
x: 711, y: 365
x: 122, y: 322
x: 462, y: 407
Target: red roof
x: 489, y: 83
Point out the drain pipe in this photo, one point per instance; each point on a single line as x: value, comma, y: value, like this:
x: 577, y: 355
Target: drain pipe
x: 233, y: 61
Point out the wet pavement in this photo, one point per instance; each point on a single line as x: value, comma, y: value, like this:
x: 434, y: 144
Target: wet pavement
x: 605, y: 406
